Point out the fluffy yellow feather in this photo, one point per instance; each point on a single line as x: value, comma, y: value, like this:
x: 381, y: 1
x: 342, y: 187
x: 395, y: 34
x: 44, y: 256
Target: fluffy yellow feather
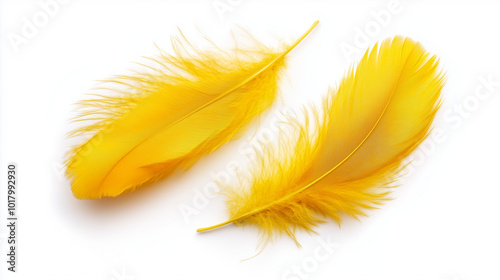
x: 186, y: 106
x: 376, y: 117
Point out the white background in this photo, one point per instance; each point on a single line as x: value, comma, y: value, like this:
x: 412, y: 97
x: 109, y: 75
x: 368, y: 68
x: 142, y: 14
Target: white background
x: 443, y: 224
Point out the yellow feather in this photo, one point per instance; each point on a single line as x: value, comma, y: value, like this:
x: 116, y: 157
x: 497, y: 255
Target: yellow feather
x: 186, y: 107
x: 378, y: 115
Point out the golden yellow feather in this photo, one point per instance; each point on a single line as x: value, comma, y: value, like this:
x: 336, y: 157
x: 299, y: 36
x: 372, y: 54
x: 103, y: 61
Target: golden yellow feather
x: 187, y: 106
x: 378, y: 115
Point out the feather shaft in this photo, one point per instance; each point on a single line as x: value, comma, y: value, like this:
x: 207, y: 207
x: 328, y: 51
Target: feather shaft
x: 297, y: 191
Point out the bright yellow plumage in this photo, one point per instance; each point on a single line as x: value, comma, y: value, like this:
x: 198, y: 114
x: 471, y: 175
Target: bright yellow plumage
x: 378, y: 115
x: 187, y: 106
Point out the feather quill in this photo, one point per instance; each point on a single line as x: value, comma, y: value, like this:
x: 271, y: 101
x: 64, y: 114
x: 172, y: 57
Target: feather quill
x: 165, y: 119
x: 376, y: 117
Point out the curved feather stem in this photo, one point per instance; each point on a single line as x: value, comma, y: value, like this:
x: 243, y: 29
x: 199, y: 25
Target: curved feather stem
x: 260, y: 209
x: 290, y: 48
